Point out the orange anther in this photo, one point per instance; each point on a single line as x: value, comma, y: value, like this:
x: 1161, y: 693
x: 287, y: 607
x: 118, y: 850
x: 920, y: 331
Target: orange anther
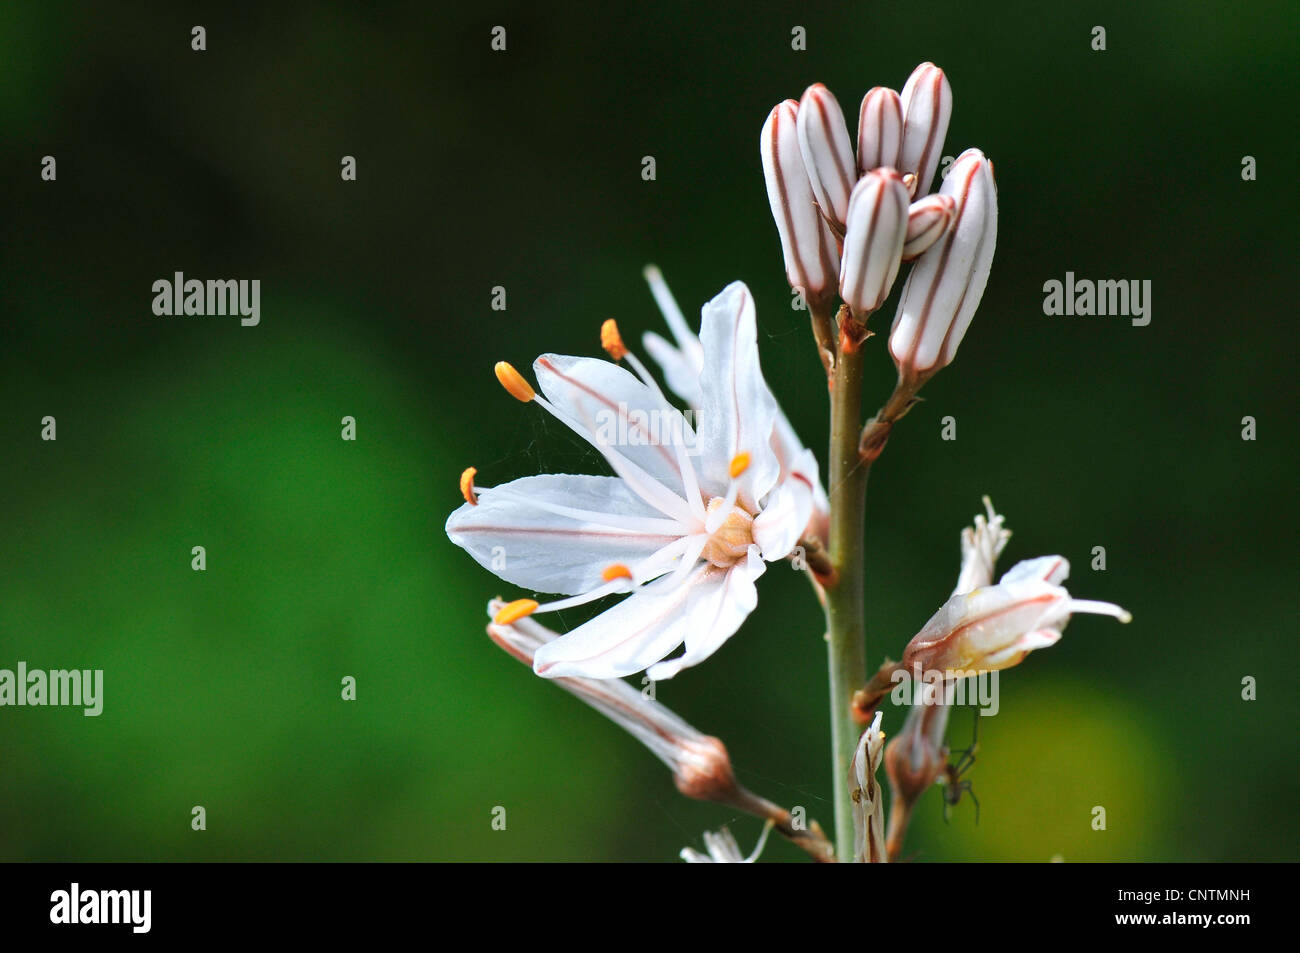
x: 467, y: 486
x: 514, y: 382
x: 512, y: 612
x: 616, y: 571
x: 611, y: 340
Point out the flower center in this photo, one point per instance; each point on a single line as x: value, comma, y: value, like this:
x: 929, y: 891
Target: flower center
x: 730, y: 542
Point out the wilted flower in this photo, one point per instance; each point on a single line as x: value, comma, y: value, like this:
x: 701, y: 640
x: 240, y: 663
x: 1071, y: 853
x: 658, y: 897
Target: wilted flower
x: 683, y: 528
x: 981, y: 545
x: 880, y: 130
x: 917, y: 755
x: 700, y: 765
x: 723, y: 849
x: 927, y: 107
x: 946, y: 283
x: 994, y: 627
x: 868, y: 804
x: 873, y: 240
x: 809, y: 246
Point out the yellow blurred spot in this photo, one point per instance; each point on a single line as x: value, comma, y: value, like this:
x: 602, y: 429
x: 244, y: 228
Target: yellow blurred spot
x: 739, y: 464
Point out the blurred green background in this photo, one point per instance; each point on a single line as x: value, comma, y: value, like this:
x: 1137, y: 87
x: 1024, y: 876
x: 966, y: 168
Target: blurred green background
x: 522, y: 169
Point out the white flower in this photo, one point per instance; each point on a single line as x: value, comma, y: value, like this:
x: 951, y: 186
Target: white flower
x: 684, y: 527
x: 995, y: 627
x: 682, y: 365
x: 981, y: 545
x: 700, y: 764
x: 723, y: 849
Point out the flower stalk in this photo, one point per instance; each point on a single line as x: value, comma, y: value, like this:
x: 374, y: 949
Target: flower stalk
x: 845, y: 598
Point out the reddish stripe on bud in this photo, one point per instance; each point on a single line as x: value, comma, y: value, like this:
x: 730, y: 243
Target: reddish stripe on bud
x: 880, y: 130
x: 826, y: 150
x: 947, y: 282
x: 873, y: 240
x: 927, y: 220
x: 806, y: 240
x: 927, y: 107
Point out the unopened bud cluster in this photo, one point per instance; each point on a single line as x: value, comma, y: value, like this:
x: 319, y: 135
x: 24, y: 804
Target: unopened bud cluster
x: 848, y: 222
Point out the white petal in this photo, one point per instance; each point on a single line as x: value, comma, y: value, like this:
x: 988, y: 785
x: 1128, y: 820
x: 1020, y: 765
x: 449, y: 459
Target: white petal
x: 681, y: 368
x: 622, y: 412
x: 784, y: 518
x: 1013, y: 653
x: 1053, y: 569
x: 515, y: 532
x: 717, y: 618
x: 738, y: 410
x: 644, y: 627
x: 795, y: 460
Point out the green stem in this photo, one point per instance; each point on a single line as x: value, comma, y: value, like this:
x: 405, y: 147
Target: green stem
x: 845, y: 599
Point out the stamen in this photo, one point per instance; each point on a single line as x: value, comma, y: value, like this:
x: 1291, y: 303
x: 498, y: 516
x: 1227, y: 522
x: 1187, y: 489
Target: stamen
x: 611, y: 341
x: 1100, y: 608
x: 514, y: 611
x: 467, y: 486
x: 514, y: 382
x: 668, y: 306
x: 739, y: 464
x: 616, y: 571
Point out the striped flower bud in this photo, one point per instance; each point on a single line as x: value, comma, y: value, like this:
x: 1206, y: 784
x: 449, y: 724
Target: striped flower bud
x: 917, y: 756
x: 806, y: 240
x: 927, y: 107
x: 880, y: 130
x: 826, y: 150
x: 926, y: 221
x: 946, y: 283
x: 873, y: 240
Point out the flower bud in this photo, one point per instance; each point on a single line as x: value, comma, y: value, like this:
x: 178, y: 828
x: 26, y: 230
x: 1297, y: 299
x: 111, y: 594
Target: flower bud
x: 927, y: 220
x: 826, y: 150
x: 995, y: 627
x: 917, y: 756
x: 873, y: 240
x: 946, y: 284
x: 880, y: 130
x: 927, y: 107
x: 811, y: 255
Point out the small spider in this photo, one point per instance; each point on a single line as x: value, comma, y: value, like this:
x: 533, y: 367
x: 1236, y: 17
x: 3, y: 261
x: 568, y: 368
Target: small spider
x: 953, y: 784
